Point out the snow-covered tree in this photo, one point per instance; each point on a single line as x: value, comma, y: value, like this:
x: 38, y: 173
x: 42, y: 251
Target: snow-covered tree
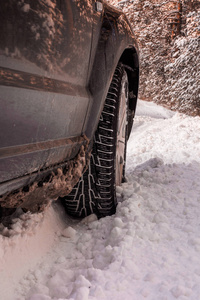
x: 168, y: 34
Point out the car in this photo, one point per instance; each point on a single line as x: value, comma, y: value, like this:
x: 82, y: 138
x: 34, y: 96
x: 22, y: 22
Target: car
x: 68, y: 95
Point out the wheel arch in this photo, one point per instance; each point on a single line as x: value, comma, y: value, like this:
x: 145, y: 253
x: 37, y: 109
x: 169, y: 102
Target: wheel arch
x: 115, y: 43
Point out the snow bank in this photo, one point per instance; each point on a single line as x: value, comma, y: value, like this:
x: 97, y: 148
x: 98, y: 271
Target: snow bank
x: 24, y: 244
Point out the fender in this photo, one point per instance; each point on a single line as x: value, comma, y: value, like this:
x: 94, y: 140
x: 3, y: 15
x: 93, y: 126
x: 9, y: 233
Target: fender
x: 115, y: 44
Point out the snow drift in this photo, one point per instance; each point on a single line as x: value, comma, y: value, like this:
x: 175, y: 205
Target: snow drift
x: 148, y: 250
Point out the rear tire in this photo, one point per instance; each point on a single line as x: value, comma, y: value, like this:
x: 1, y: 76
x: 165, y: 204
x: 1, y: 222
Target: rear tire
x: 96, y: 190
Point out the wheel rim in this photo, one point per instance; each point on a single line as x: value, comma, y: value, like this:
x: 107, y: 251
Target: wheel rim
x: 121, y: 132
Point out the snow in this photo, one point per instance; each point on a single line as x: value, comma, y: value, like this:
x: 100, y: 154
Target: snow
x: 26, y: 8
x: 148, y: 250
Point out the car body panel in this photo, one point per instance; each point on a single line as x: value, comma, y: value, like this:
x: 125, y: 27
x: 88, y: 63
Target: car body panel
x: 26, y: 138
x: 43, y: 96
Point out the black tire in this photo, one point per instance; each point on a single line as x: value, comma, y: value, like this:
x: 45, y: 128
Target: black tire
x: 96, y: 190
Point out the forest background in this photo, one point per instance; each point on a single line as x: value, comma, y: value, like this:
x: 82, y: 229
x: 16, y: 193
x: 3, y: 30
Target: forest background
x: 168, y: 34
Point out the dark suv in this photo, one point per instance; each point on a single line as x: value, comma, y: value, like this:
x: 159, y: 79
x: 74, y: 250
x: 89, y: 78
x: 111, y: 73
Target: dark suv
x: 68, y: 93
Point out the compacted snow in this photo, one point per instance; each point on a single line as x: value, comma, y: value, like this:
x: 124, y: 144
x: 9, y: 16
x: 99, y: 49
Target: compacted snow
x: 150, y: 249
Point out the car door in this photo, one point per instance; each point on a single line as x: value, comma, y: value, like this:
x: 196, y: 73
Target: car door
x: 44, y: 59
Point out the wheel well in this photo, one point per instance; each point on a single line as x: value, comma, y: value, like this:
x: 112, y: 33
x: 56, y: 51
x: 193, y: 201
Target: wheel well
x: 130, y: 61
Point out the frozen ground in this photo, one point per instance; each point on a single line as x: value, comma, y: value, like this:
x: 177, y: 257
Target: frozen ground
x: 150, y: 249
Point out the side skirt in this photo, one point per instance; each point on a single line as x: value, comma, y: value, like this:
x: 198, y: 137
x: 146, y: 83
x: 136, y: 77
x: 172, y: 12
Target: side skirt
x: 49, y: 184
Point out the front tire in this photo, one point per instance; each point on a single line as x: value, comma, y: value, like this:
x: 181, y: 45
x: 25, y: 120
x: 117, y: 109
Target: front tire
x: 96, y: 190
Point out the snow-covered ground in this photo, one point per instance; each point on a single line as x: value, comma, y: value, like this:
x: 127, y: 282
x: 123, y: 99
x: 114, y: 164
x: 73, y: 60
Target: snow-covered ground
x: 150, y: 249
